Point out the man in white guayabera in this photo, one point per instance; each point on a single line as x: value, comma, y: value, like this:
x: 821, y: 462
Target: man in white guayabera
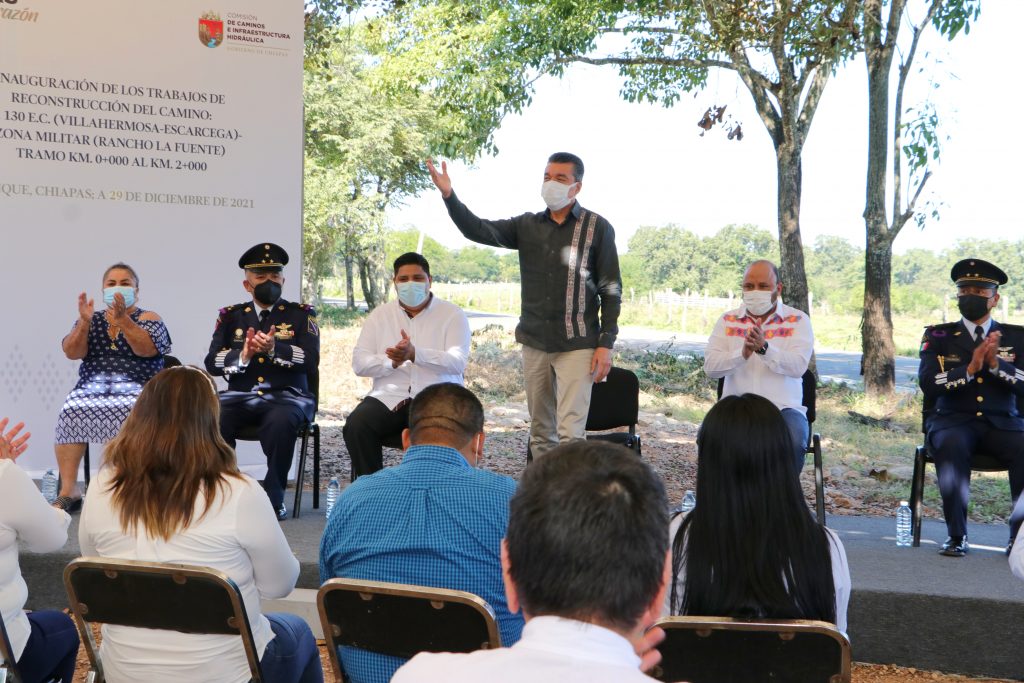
x: 763, y: 347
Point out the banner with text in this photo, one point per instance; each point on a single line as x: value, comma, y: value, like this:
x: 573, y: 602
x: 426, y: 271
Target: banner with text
x: 164, y: 135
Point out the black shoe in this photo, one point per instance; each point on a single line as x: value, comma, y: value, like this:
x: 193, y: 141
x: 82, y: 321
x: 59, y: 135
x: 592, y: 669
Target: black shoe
x: 1009, y: 547
x: 282, y: 513
x: 955, y: 546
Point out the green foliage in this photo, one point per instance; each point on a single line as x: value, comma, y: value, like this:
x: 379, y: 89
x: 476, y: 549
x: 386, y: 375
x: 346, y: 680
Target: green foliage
x: 668, y: 371
x: 337, y: 316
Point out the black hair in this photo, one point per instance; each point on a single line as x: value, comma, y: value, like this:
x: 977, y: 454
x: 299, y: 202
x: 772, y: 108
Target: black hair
x: 411, y: 258
x: 122, y: 266
x: 447, y: 411
x: 567, y: 158
x: 588, y: 535
x: 750, y: 547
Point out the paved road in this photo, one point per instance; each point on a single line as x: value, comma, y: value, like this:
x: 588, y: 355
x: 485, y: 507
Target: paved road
x: 837, y: 366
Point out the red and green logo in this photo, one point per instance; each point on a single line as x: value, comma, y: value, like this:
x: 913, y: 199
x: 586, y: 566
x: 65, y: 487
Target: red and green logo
x: 211, y: 29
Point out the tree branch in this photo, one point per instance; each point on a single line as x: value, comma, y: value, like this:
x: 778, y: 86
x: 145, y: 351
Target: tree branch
x: 899, y: 222
x: 650, y: 61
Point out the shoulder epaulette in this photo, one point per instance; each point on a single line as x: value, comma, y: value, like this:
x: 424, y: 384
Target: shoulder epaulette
x: 304, y: 307
x: 941, y: 326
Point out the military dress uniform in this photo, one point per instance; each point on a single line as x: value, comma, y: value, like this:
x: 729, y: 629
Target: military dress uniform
x: 972, y: 413
x: 271, y: 391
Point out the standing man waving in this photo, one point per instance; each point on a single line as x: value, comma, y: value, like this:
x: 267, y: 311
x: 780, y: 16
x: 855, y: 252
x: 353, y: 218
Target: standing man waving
x: 571, y: 293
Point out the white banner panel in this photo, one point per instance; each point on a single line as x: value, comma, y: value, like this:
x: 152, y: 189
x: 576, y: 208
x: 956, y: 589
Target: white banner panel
x: 167, y: 135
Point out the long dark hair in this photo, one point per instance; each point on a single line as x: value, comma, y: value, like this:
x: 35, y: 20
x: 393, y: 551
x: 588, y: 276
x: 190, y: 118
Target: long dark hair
x: 750, y: 546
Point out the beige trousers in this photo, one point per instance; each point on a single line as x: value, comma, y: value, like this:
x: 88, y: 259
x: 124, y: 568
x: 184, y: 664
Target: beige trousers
x: 558, y: 389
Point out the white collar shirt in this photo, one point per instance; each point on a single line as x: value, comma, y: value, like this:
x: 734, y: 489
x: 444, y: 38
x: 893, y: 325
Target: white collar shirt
x: 776, y: 375
x: 985, y: 327
x: 440, y: 333
x: 551, y: 649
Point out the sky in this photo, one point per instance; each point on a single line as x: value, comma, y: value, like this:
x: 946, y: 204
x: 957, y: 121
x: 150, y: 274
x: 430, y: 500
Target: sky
x: 648, y: 166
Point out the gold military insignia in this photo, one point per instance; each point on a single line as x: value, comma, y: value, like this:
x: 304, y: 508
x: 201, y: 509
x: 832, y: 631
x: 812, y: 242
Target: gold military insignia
x: 312, y: 327
x: 284, y: 331
x: 1006, y: 353
x: 942, y: 363
x: 953, y: 359
x: 238, y: 332
x: 281, y: 307
x: 956, y: 334
x: 248, y: 308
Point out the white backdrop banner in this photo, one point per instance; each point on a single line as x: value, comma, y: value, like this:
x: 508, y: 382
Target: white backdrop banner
x: 167, y: 135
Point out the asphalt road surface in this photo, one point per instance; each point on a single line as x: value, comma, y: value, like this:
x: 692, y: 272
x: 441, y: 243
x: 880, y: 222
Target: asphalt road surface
x: 835, y: 366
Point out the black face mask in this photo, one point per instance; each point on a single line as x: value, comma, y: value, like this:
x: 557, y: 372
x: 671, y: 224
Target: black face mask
x: 267, y: 292
x: 972, y: 306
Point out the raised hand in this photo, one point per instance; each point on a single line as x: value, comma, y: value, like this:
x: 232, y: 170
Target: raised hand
x: 753, y: 341
x: 85, y: 308
x: 11, y: 445
x: 441, y: 180
x: 992, y: 349
x: 401, y: 352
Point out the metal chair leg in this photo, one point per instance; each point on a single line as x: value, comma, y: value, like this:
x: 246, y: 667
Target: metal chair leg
x: 300, y: 475
x: 917, y: 494
x: 316, y: 466
x: 819, y: 479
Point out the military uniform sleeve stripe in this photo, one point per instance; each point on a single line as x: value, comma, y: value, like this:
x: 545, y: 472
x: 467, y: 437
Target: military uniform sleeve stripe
x: 218, y: 361
x: 940, y: 378
x: 298, y: 355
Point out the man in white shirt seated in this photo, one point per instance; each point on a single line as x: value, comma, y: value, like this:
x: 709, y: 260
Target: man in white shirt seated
x: 405, y: 345
x: 587, y: 559
x: 764, y: 347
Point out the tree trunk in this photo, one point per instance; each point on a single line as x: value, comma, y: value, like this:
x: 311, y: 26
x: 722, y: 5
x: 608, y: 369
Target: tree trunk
x: 373, y: 277
x: 791, y: 248
x: 878, y: 363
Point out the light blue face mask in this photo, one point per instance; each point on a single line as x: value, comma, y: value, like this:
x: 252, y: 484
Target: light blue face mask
x: 412, y: 294
x: 127, y: 292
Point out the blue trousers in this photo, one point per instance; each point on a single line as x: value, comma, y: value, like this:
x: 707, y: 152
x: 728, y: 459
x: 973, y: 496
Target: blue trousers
x: 51, y: 649
x: 292, y: 656
x: 800, y: 432
x: 951, y: 448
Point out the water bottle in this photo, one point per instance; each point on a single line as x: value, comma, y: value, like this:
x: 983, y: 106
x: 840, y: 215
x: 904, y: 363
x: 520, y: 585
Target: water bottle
x: 689, y: 502
x: 49, y: 486
x: 333, y: 488
x: 903, y: 534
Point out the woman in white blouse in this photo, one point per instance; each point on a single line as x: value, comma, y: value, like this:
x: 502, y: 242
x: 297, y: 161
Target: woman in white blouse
x: 171, y: 491
x: 751, y: 548
x: 45, y: 643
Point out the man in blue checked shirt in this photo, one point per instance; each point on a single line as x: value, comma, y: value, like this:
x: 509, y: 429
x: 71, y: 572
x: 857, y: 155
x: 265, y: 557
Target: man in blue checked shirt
x: 435, y: 520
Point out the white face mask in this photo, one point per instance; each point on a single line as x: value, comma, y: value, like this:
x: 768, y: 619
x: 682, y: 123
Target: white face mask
x: 555, y: 194
x: 757, y: 302
x: 412, y: 293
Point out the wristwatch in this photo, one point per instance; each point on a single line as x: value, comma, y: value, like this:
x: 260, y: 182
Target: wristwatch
x: 761, y: 351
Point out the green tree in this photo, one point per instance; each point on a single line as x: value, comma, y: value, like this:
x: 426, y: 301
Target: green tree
x: 483, y: 58
x: 891, y: 158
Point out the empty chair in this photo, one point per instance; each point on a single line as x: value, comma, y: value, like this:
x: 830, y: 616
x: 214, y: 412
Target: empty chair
x: 723, y: 650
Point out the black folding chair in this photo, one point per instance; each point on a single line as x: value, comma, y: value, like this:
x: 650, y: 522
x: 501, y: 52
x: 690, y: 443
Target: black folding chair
x: 168, y: 597
x: 614, y: 403
x: 980, y: 462
x: 9, y: 668
x: 402, y: 620
x: 723, y: 650
x: 169, y: 362
x: 810, y: 402
x: 307, y: 431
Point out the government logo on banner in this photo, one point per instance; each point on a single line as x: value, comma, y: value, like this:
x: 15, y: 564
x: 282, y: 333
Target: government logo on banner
x: 211, y: 29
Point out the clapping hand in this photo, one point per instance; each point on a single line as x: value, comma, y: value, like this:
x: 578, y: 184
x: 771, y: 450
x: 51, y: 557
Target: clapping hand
x: 11, y: 445
x: 118, y: 310
x: 985, y: 354
x: 753, y: 341
x: 258, y: 342
x: 85, y: 308
x: 441, y: 180
x: 401, y: 352
x: 647, y: 648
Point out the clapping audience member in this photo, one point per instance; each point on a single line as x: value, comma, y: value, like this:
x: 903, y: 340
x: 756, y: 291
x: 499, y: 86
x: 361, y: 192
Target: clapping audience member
x: 170, y: 491
x: 434, y: 520
x: 45, y: 642
x: 586, y: 557
x: 750, y: 548
x: 120, y: 347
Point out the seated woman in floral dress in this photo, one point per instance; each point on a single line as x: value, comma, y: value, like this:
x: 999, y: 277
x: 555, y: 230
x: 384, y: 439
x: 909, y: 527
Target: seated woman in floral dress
x: 121, y: 348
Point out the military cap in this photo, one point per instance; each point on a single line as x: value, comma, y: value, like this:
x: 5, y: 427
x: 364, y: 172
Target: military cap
x: 977, y: 273
x: 264, y: 255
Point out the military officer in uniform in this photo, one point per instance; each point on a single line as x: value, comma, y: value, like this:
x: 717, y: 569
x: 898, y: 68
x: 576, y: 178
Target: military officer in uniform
x: 264, y: 348
x: 972, y: 371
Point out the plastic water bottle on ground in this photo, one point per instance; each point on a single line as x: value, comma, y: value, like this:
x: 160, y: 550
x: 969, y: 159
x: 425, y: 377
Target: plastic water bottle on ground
x: 333, y: 488
x: 689, y: 502
x: 49, y: 486
x: 903, y: 532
